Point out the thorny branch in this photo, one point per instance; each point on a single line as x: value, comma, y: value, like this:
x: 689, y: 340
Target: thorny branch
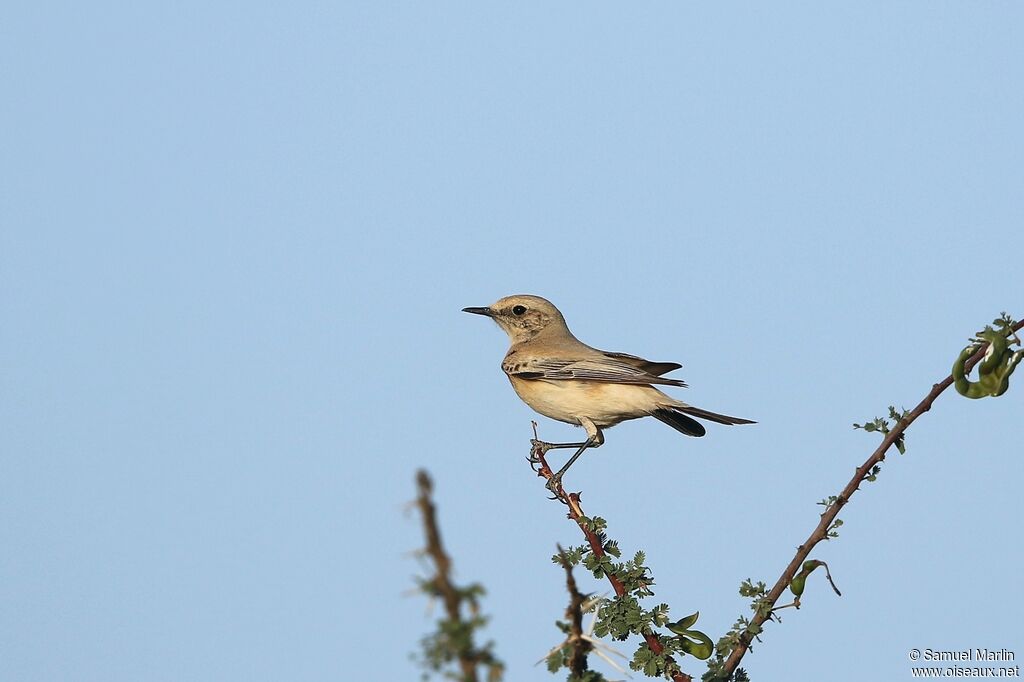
x: 576, y: 514
x: 821, y: 530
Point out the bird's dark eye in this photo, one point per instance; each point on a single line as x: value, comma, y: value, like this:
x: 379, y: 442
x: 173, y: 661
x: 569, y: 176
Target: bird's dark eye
x: 519, y: 310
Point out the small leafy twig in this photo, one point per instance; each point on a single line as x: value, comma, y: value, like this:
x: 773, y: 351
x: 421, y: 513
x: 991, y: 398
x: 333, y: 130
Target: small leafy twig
x: 453, y: 641
x: 580, y: 647
x: 560, y: 655
x: 865, y: 472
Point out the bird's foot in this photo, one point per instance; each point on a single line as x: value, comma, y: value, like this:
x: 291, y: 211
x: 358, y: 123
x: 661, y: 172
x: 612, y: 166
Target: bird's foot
x: 537, y: 452
x: 540, y: 446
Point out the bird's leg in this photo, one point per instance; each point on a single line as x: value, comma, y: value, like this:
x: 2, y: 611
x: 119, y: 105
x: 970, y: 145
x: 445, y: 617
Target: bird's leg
x: 595, y: 439
x: 555, y: 481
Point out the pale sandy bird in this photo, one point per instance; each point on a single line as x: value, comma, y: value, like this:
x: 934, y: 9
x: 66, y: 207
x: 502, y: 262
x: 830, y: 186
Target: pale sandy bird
x: 563, y: 378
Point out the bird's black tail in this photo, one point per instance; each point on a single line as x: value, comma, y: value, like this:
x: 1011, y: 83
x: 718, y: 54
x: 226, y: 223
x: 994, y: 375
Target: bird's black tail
x: 676, y: 417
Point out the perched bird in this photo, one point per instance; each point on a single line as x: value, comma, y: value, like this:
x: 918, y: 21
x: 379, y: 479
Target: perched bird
x: 563, y: 378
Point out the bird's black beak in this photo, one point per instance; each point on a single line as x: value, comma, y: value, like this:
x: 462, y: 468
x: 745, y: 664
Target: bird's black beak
x: 479, y: 311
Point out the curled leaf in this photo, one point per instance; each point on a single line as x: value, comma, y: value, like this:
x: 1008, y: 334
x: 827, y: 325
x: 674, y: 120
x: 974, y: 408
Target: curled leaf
x: 697, y: 644
x: 995, y: 367
x: 796, y: 586
x: 682, y: 626
x: 799, y: 581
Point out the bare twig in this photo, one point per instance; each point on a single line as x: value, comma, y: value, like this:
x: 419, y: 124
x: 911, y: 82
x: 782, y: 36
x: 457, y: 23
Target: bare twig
x: 576, y: 514
x: 820, y: 532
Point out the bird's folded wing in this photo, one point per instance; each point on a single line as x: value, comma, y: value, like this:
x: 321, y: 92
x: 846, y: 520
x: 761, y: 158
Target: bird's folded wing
x: 655, y: 368
x: 591, y: 369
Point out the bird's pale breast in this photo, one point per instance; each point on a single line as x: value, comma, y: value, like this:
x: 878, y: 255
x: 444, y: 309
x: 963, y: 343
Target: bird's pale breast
x: 606, y: 404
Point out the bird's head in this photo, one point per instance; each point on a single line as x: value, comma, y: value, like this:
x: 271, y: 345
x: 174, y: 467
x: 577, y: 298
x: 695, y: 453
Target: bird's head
x: 523, y: 316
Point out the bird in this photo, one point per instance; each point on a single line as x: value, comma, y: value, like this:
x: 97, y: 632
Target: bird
x: 564, y: 379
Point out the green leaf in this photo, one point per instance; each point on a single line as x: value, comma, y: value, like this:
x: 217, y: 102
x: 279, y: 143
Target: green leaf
x: 680, y: 627
x: 554, y: 661
x: 701, y: 648
x: 796, y: 586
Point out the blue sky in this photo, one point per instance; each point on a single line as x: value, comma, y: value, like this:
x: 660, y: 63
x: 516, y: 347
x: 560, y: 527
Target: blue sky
x: 236, y: 240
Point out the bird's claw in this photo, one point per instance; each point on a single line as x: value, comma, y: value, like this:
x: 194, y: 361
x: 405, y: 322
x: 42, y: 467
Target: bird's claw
x: 537, y: 453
